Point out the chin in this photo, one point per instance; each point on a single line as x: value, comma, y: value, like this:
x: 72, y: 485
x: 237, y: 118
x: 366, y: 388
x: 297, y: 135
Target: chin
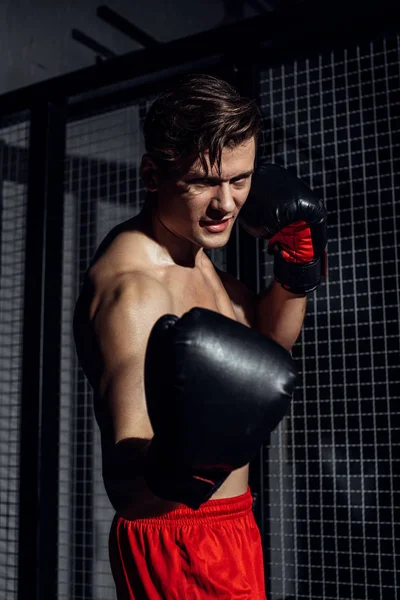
x: 214, y: 241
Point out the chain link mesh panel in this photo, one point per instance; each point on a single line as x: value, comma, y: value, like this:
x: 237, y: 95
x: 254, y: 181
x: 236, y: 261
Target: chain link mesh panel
x: 14, y: 133
x: 333, y: 466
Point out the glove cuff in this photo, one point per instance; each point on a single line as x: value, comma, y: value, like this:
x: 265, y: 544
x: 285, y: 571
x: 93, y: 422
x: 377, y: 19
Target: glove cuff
x: 299, y: 278
x: 169, y: 483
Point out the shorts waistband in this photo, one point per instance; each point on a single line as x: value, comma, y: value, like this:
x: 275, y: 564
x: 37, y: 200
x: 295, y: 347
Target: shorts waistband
x: 220, y: 509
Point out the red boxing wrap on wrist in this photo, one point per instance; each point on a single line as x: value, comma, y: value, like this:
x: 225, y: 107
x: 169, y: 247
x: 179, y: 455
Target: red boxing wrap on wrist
x: 295, y: 243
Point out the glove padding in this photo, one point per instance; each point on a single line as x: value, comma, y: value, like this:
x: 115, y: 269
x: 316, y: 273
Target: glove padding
x: 215, y: 390
x: 284, y: 210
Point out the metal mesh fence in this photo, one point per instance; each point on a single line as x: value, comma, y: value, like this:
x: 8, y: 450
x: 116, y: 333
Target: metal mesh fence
x: 334, y: 462
x: 13, y: 200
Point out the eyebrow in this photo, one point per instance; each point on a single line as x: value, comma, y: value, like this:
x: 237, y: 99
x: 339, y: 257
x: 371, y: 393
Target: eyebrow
x: 200, y: 176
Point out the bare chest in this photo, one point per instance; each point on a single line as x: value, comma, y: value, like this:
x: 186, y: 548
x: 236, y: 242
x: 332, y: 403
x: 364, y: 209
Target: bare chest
x: 198, y: 290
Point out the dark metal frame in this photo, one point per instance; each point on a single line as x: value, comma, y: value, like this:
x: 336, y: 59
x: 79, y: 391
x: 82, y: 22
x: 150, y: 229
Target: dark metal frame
x: 260, y: 40
x: 87, y: 41
x: 40, y: 401
x: 126, y: 27
x: 229, y: 52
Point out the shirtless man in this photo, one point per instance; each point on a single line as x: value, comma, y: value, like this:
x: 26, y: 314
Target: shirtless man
x: 201, y: 140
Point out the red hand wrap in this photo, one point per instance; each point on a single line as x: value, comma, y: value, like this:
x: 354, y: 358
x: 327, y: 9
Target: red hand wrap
x: 295, y: 242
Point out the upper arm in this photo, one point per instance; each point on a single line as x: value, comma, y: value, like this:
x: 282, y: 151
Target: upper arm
x: 243, y: 300
x: 121, y: 326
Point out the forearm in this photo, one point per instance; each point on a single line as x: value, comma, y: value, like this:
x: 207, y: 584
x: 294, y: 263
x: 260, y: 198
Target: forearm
x: 125, y: 482
x: 280, y: 315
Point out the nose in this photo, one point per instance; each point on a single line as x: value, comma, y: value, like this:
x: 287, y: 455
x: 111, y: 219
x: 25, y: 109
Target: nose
x: 223, y: 200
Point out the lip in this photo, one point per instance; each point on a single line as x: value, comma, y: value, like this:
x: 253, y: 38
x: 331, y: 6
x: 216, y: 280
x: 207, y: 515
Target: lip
x: 215, y: 226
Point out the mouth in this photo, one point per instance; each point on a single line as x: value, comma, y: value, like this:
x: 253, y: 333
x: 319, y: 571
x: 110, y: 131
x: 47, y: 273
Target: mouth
x: 215, y: 226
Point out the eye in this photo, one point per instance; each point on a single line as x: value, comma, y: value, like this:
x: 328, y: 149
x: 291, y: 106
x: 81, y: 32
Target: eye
x: 240, y: 182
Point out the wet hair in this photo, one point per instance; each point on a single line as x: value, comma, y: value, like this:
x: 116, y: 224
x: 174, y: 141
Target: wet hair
x: 200, y: 114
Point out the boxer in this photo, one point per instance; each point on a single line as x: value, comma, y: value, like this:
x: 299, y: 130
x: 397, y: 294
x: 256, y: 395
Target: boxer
x: 191, y: 371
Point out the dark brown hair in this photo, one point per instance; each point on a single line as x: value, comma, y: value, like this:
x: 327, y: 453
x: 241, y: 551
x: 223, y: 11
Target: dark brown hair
x: 200, y: 114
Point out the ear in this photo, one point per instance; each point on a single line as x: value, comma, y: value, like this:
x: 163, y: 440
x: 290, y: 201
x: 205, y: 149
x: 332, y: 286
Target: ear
x: 149, y: 173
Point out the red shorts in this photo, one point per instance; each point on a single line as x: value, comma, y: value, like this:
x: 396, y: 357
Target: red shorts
x: 213, y: 552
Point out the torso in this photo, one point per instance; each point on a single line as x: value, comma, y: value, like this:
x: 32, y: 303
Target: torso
x: 206, y: 290
x: 188, y: 287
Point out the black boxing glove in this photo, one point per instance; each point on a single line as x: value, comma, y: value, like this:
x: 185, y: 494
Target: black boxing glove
x: 285, y: 211
x: 215, y: 389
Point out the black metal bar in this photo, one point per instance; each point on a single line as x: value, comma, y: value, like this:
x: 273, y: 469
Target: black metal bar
x: 38, y: 517
x: 283, y: 36
x: 82, y: 507
x: 51, y: 356
x: 127, y: 27
x: 92, y: 44
x: 31, y: 393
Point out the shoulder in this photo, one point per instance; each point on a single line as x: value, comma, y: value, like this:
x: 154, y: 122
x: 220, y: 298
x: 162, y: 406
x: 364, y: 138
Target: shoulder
x: 112, y: 322
x: 243, y: 300
x: 126, y: 249
x: 121, y: 272
x: 119, y: 303
x: 127, y: 294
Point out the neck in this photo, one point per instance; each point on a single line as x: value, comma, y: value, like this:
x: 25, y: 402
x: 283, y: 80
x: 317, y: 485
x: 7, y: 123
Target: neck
x: 173, y: 249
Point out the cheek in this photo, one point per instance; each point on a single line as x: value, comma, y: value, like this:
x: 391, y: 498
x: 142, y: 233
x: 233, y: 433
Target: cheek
x: 197, y: 204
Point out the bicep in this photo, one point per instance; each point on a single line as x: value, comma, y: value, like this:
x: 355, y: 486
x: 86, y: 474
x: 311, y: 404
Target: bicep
x: 122, y: 326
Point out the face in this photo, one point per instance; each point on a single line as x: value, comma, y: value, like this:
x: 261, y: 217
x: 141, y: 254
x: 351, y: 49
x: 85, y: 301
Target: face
x: 201, y: 209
